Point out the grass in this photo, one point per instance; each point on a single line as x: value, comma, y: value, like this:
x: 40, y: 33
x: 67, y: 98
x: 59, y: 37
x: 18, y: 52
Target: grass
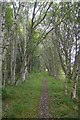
x: 61, y: 106
x: 22, y: 101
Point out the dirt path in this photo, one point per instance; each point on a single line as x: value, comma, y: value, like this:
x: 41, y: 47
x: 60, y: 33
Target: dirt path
x: 44, y: 101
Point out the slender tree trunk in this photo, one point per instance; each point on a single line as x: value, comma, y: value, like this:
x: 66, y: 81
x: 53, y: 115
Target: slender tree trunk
x: 13, y: 60
x: 69, y: 64
x: 25, y: 69
x: 74, y: 89
x: 76, y: 76
x: 5, y: 70
x: 3, y: 43
x: 13, y: 44
x: 65, y: 85
x: 56, y: 66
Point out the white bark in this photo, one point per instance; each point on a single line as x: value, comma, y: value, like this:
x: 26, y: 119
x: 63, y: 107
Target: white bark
x: 24, y: 69
x: 5, y: 71
x: 1, y: 41
x: 65, y: 85
x: 74, y: 90
x: 13, y: 47
x: 13, y: 60
x: 76, y: 76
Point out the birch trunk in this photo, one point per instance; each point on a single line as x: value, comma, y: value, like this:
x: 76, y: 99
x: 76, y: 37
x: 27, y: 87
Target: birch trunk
x: 25, y: 69
x: 13, y: 61
x: 3, y: 45
x: 65, y: 85
x: 77, y: 76
x: 74, y: 90
x: 13, y: 46
x: 5, y: 71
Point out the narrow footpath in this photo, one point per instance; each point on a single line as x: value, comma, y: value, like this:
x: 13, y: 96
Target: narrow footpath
x: 44, y: 101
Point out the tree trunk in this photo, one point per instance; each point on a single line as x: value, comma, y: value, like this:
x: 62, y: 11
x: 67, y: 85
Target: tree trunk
x: 65, y: 85
x: 76, y: 76
x: 1, y: 45
x: 74, y: 89
x: 13, y: 44
x: 69, y: 64
x: 2, y: 30
x: 5, y: 71
x: 25, y: 69
x: 13, y: 60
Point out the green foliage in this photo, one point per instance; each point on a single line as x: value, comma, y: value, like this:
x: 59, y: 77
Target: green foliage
x: 8, y: 17
x: 36, y: 35
x: 7, y: 93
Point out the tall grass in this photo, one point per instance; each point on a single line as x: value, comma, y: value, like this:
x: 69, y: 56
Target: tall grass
x: 22, y: 101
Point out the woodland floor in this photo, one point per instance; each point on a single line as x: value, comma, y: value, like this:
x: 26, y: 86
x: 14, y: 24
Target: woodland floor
x: 41, y: 96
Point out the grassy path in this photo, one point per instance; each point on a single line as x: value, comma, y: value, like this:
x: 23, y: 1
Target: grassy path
x: 44, y: 101
x: 23, y: 101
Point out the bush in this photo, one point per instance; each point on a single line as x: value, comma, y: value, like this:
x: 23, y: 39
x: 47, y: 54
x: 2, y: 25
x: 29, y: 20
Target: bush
x: 7, y: 94
x: 4, y: 94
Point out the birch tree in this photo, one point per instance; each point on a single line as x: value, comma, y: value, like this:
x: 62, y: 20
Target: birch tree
x: 25, y: 69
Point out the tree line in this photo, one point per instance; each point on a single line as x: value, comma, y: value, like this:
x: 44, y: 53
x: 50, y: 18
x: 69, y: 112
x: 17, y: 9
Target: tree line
x: 40, y: 35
